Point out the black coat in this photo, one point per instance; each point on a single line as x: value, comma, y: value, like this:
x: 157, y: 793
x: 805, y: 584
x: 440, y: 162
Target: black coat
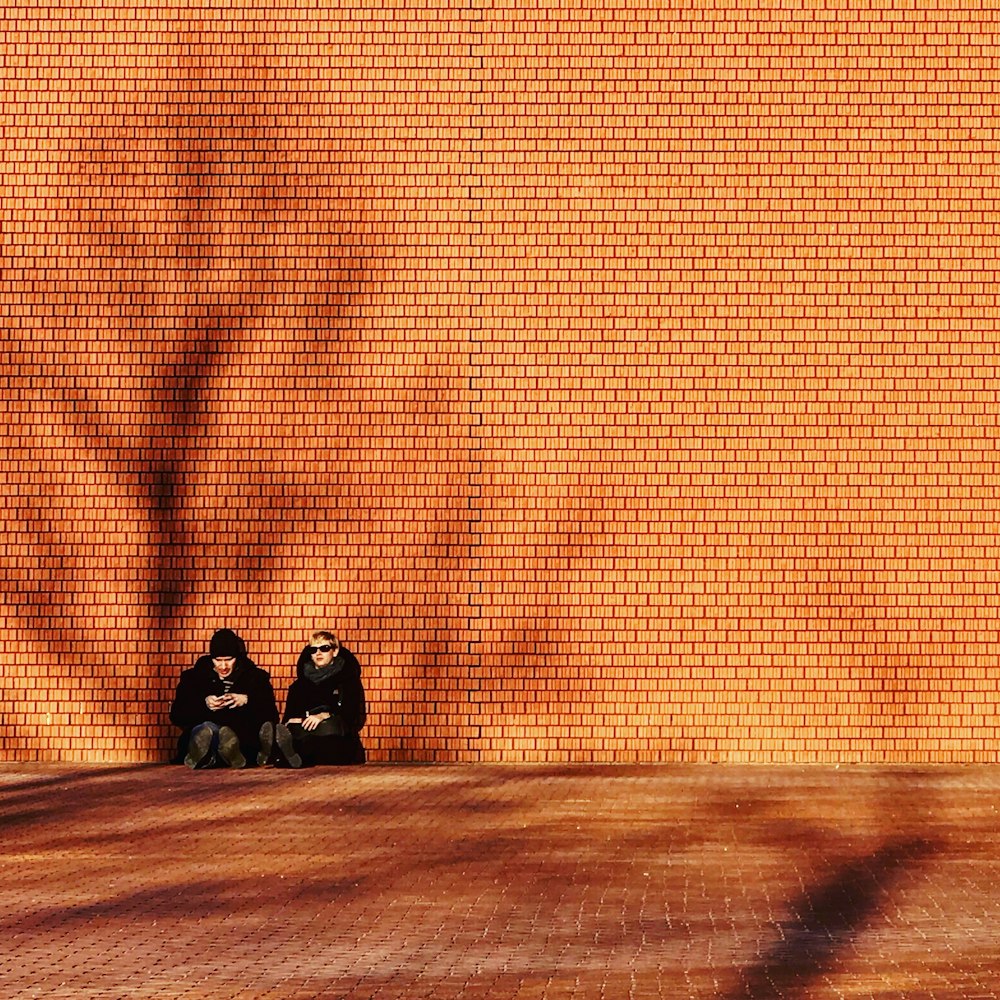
x: 189, y: 708
x: 342, y: 695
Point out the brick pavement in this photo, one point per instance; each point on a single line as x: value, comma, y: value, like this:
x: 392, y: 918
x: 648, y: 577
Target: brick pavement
x: 526, y: 882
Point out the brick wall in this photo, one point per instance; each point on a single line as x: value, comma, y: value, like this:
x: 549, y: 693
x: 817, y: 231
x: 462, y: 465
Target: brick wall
x: 617, y: 379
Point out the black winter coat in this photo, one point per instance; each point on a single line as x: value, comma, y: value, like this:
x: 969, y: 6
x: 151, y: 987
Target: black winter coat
x: 342, y: 695
x: 189, y: 708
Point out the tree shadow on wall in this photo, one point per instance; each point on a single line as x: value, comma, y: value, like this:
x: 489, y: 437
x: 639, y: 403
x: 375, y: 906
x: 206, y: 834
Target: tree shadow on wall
x: 539, y: 684
x: 164, y: 362
x: 429, y: 702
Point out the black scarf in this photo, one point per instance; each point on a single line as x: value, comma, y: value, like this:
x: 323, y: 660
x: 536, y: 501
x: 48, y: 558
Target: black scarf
x: 319, y: 674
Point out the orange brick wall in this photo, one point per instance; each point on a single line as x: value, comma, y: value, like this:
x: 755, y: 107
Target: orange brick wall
x: 618, y: 379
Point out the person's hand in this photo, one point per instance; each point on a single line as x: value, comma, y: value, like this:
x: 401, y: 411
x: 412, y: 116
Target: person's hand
x: 311, y: 722
x: 236, y: 700
x: 216, y: 701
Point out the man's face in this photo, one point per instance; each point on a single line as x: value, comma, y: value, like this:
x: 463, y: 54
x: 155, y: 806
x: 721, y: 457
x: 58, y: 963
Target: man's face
x: 323, y: 651
x: 223, y: 665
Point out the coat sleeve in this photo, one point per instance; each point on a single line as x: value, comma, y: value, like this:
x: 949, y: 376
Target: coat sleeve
x: 295, y: 707
x: 353, y: 710
x: 188, y: 708
x: 265, y: 708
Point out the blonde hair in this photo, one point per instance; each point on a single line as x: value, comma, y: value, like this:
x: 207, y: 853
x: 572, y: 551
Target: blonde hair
x: 328, y: 636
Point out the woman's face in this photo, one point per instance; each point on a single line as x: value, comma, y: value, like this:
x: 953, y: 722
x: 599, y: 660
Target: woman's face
x: 323, y: 651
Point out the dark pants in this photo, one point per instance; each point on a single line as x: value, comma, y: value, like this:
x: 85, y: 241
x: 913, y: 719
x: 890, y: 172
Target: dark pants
x: 317, y: 747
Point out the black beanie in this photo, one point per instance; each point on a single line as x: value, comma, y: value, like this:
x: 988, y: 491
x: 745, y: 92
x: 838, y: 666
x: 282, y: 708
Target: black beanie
x: 226, y: 642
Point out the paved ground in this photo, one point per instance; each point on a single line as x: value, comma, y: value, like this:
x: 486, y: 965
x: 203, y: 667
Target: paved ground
x: 595, y: 883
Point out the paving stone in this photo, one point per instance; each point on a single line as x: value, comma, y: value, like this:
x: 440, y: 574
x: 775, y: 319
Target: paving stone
x: 521, y: 882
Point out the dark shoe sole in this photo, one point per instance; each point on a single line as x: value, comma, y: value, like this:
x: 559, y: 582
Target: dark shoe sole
x: 266, y: 744
x: 283, y: 737
x: 229, y: 748
x: 198, y: 749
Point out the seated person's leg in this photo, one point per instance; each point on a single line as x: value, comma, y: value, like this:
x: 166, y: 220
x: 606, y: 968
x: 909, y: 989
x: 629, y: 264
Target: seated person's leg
x: 287, y: 740
x: 230, y: 751
x: 203, y: 746
x: 324, y: 748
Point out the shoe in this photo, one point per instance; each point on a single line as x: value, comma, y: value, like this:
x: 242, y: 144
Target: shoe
x: 283, y: 737
x: 266, y: 738
x: 197, y: 755
x: 229, y: 748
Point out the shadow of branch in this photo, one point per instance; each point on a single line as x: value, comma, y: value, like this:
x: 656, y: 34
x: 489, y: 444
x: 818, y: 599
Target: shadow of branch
x: 827, y: 917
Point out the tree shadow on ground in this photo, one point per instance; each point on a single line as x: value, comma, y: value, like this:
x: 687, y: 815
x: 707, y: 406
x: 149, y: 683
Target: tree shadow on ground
x: 827, y: 917
x: 32, y: 796
x: 532, y: 877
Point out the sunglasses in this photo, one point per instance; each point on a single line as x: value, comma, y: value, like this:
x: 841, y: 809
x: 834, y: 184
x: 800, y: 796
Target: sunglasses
x: 320, y: 649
